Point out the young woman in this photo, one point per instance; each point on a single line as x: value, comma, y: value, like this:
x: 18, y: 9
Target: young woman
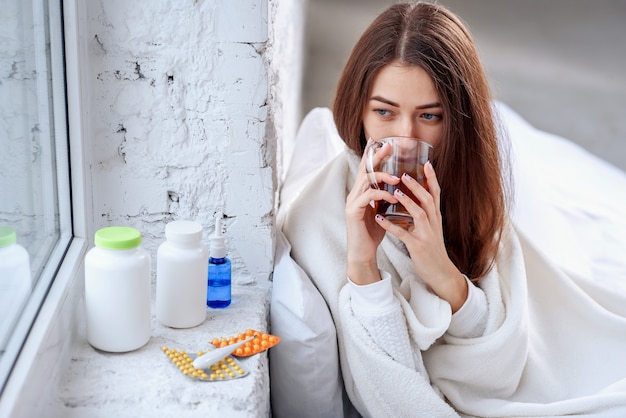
x: 458, y: 313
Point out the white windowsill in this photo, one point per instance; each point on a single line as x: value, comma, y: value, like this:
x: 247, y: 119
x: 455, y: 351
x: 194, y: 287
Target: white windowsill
x: 31, y: 388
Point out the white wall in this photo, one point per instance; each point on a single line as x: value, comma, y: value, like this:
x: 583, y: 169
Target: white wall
x: 179, y: 101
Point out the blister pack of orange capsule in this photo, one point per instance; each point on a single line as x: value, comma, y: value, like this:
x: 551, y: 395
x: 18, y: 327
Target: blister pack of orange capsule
x: 259, y: 342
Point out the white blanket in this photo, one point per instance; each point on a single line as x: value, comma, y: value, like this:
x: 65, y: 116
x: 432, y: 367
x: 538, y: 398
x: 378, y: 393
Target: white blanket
x: 554, y: 345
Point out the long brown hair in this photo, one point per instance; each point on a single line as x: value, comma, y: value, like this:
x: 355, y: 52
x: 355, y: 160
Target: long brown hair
x: 467, y: 161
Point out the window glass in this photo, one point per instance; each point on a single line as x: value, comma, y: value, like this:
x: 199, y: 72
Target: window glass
x: 34, y: 208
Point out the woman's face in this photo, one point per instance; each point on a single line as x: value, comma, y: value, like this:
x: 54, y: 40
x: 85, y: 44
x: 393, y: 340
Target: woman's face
x: 403, y: 102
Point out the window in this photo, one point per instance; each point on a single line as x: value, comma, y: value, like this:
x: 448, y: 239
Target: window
x: 34, y: 173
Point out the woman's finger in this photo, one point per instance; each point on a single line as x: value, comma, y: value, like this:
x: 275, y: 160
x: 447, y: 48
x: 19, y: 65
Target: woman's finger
x: 363, y: 200
x: 425, y: 201
x: 399, y: 232
x: 433, y: 184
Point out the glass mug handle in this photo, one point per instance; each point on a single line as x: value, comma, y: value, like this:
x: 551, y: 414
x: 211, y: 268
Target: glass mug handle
x: 369, y: 166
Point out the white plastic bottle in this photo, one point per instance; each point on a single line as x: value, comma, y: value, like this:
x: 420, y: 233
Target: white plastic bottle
x: 117, y: 291
x: 15, y: 282
x: 181, y: 276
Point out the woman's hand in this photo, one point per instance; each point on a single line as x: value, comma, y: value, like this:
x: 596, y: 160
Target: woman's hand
x: 425, y: 240
x: 364, y: 234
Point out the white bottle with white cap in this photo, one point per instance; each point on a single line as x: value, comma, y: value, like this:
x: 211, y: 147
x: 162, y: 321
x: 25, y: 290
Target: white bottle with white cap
x: 181, y: 283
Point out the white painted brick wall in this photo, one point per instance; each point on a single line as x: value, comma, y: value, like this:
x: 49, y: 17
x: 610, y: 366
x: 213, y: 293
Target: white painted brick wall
x: 182, y: 124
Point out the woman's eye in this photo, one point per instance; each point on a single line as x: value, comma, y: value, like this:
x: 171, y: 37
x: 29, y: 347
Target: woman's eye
x: 382, y: 112
x: 430, y: 116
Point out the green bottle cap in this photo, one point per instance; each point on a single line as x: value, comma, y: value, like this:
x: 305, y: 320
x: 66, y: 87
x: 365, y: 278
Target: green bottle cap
x: 117, y: 238
x: 7, y: 236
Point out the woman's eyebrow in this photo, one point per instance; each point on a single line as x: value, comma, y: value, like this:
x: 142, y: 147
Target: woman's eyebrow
x: 392, y: 103
x: 429, y: 105
x: 383, y: 100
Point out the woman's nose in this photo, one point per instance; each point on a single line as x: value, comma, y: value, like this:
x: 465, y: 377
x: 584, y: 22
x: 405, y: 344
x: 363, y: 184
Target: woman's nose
x: 408, y: 128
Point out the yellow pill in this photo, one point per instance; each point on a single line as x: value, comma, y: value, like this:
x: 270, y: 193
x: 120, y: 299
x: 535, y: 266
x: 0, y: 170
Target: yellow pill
x: 240, y: 371
x: 200, y: 353
x: 204, y: 375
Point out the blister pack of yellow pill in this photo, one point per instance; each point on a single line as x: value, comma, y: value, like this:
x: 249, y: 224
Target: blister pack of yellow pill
x: 208, y: 366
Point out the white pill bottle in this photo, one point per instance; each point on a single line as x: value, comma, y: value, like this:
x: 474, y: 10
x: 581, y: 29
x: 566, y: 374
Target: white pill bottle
x: 181, y: 284
x: 15, y: 282
x: 117, y: 290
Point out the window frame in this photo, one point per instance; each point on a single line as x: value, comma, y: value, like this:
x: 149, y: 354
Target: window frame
x: 43, y: 336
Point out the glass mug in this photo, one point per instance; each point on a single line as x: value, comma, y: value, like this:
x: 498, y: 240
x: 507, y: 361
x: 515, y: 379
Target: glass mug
x: 408, y: 156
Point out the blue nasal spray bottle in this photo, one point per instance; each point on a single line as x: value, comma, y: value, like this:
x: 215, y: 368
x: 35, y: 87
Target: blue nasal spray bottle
x: 219, y: 280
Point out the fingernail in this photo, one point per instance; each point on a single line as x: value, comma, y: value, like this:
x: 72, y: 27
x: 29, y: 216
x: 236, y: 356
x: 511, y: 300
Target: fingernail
x: 406, y: 176
x: 395, y: 177
x: 379, y: 218
x: 428, y: 163
x: 399, y: 193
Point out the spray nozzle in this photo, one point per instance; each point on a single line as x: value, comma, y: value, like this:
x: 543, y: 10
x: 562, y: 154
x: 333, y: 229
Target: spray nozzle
x: 217, y: 248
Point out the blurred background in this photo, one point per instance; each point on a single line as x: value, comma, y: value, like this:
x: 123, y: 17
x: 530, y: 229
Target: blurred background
x: 561, y: 64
